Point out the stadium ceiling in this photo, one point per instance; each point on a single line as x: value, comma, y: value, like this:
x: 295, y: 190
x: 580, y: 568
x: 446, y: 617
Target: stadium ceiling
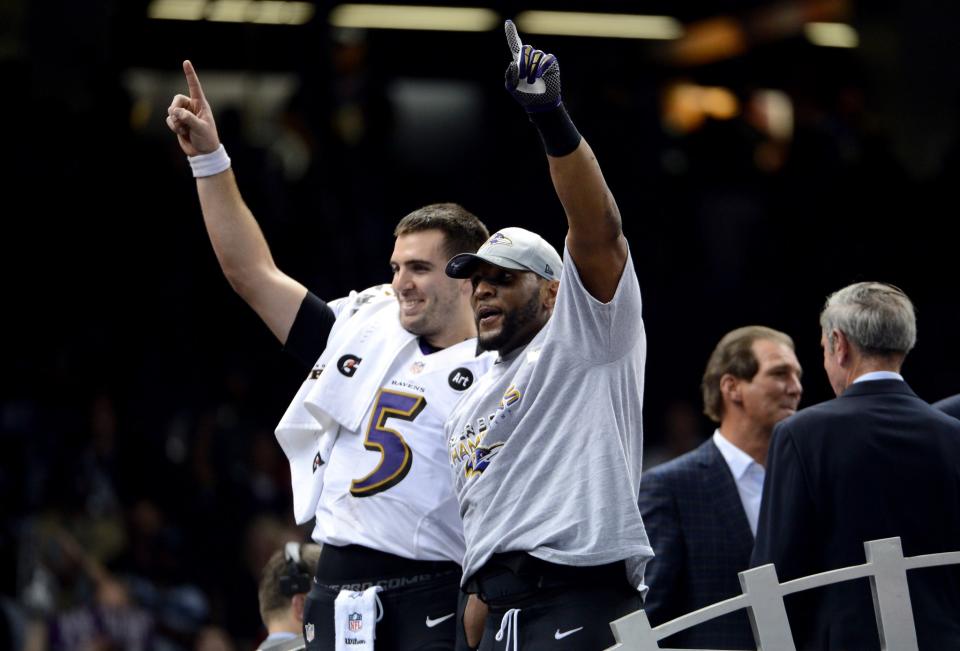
x: 448, y: 38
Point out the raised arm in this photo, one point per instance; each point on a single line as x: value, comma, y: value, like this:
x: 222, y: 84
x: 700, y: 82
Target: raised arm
x: 236, y: 238
x: 595, y: 237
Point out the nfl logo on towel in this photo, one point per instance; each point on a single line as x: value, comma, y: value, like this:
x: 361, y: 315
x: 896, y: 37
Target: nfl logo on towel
x: 354, y: 621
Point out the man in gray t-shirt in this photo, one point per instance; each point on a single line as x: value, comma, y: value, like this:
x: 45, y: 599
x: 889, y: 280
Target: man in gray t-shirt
x: 546, y: 448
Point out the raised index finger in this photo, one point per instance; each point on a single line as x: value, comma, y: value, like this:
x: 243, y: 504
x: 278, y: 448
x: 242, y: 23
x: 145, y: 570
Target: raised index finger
x: 193, y: 82
x: 513, y: 39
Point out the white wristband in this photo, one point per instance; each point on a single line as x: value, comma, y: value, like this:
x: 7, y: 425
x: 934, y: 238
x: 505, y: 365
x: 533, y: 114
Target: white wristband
x: 209, y: 164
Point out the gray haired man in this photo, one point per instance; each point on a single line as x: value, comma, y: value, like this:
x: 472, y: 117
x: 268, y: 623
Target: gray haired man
x: 874, y: 463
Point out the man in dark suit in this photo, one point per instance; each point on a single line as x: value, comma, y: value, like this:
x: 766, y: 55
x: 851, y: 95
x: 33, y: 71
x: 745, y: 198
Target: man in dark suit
x: 949, y: 405
x: 701, y: 509
x: 874, y: 463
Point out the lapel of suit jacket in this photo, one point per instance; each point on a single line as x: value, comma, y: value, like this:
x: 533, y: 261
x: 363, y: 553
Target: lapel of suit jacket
x: 725, y: 498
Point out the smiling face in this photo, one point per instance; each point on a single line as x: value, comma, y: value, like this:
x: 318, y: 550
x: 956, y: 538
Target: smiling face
x: 510, y: 306
x: 774, y: 392
x: 428, y: 299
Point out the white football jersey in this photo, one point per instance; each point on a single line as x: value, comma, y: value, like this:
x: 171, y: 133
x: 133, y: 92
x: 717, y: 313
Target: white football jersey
x: 388, y: 486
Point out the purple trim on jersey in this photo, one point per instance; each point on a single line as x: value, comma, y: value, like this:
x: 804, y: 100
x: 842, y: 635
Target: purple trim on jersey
x: 426, y: 347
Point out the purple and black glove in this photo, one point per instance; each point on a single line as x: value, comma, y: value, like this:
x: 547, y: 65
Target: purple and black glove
x: 533, y: 78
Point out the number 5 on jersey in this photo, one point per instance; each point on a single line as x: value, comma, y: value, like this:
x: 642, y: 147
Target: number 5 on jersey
x: 395, y: 455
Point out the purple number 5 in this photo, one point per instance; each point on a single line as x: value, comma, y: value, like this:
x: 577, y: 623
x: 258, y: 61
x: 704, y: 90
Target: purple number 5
x: 395, y: 455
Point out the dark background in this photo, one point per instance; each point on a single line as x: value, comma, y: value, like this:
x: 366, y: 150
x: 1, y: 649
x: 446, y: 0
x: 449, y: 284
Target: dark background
x: 139, y: 393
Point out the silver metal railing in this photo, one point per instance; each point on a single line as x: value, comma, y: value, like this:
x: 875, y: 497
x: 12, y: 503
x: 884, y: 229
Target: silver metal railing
x: 763, y: 594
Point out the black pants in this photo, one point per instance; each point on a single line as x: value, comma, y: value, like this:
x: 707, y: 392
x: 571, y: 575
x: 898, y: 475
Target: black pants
x: 419, y: 599
x: 549, y: 607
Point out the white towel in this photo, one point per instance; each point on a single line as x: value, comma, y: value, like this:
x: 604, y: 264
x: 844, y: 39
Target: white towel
x: 356, y: 360
x: 307, y: 436
x: 307, y: 442
x: 355, y: 617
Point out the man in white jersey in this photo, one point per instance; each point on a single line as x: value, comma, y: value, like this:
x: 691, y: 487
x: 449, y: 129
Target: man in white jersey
x: 364, y: 433
x: 546, y: 449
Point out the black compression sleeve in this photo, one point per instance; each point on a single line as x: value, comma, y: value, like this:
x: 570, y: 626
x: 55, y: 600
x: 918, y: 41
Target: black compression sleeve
x: 310, y: 329
x: 557, y: 131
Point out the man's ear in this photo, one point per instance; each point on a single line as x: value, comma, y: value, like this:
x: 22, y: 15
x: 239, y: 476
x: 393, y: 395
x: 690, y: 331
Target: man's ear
x: 298, y: 604
x: 730, y: 388
x: 841, y: 347
x: 548, y: 291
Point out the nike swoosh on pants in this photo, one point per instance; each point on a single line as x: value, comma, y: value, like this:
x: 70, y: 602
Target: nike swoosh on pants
x: 559, y: 636
x: 433, y: 622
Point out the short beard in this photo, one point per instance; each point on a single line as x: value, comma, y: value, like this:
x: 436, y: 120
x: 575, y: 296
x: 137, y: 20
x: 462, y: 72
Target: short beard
x: 513, y: 323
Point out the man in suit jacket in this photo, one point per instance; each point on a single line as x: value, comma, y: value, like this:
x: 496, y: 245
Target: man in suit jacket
x: 949, y: 405
x: 701, y: 509
x: 876, y: 462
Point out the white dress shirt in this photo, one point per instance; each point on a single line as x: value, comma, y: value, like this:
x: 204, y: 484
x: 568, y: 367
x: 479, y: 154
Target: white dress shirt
x: 879, y: 375
x: 747, y: 475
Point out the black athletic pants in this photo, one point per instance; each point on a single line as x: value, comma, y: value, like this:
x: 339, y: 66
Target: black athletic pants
x: 548, y: 607
x: 419, y: 599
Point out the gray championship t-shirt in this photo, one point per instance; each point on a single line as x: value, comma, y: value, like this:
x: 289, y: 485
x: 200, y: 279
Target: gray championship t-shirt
x: 547, y: 447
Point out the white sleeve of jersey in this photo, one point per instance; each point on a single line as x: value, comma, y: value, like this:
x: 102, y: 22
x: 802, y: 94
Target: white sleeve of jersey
x: 349, y: 305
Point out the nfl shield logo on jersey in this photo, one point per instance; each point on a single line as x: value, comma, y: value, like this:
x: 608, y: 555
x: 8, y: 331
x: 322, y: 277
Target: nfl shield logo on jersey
x: 354, y: 621
x: 308, y: 632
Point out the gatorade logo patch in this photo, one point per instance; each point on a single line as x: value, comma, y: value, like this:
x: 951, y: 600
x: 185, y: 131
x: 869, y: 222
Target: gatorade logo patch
x: 347, y: 365
x: 461, y: 379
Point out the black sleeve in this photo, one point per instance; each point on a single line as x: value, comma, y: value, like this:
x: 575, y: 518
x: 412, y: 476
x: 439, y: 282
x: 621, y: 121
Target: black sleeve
x: 310, y: 329
x: 788, y: 525
x: 950, y: 405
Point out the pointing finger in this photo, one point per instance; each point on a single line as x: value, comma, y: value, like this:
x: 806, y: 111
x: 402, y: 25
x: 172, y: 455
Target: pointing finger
x: 513, y: 39
x: 193, y: 83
